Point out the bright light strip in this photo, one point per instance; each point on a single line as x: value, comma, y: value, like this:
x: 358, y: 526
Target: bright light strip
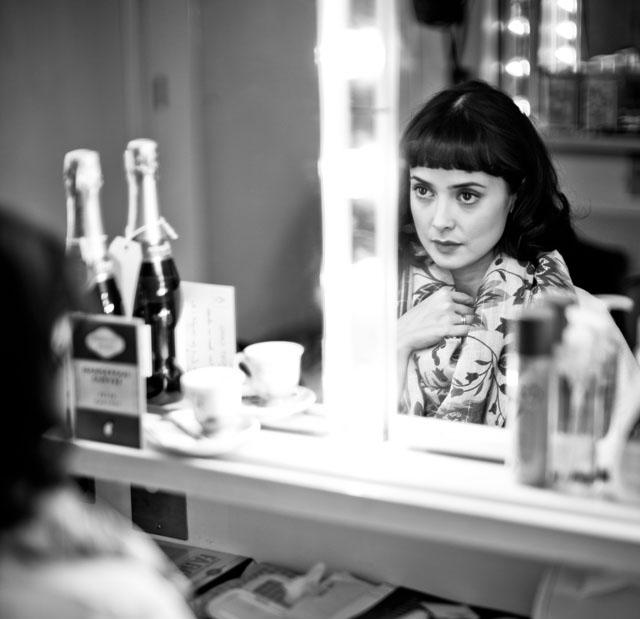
x: 354, y: 54
x: 359, y: 338
x: 362, y: 167
x: 567, y: 30
x: 364, y: 53
x: 518, y: 67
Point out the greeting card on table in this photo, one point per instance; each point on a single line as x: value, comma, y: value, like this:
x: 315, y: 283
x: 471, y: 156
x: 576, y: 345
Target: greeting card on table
x: 108, y: 386
x: 206, y: 330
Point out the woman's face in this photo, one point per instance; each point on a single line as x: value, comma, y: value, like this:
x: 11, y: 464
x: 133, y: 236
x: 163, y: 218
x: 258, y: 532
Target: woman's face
x: 459, y: 217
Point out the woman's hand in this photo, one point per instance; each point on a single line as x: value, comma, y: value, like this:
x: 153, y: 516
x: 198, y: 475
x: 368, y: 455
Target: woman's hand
x: 424, y: 325
x: 442, y: 314
x: 439, y: 315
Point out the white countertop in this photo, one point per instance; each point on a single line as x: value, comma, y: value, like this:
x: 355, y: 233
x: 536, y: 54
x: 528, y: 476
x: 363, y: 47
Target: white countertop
x: 387, y: 488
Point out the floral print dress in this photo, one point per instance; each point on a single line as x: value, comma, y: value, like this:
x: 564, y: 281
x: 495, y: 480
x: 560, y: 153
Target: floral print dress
x: 464, y: 378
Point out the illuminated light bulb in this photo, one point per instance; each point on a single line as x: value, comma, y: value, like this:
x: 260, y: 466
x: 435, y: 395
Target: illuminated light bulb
x: 519, y: 26
x: 571, y: 6
x: 566, y: 54
x: 518, y: 67
x: 524, y: 104
x: 362, y: 53
x: 357, y: 54
x: 362, y: 165
x: 567, y: 30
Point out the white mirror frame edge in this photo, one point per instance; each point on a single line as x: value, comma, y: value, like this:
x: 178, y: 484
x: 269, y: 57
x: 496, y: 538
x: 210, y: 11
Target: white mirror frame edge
x: 360, y: 299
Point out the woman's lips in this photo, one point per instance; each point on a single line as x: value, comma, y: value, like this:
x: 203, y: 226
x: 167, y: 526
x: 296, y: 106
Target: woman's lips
x: 446, y: 247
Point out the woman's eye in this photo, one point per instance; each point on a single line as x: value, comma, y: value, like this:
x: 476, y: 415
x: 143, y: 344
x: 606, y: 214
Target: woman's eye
x: 467, y: 197
x: 421, y: 191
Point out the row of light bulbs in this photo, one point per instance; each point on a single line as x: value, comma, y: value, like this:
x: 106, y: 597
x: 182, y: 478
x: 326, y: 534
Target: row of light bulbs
x: 559, y: 50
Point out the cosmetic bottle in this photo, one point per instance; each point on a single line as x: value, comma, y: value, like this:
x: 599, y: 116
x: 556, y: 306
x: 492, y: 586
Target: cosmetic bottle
x: 586, y: 358
x: 529, y: 389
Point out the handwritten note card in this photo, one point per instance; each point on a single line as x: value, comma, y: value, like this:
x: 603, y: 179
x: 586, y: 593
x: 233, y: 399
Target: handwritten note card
x: 206, y: 331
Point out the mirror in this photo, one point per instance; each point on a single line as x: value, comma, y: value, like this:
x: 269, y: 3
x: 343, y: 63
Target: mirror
x: 243, y: 193
x: 229, y: 89
x: 597, y: 176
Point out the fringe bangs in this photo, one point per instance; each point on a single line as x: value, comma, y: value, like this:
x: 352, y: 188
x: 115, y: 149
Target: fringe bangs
x: 456, y: 144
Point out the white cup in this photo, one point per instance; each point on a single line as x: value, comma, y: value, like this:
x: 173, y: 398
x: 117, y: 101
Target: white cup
x: 215, y: 393
x: 274, y: 368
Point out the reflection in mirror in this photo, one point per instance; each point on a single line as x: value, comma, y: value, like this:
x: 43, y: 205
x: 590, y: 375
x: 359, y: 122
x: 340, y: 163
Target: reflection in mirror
x: 436, y: 53
x: 478, y: 243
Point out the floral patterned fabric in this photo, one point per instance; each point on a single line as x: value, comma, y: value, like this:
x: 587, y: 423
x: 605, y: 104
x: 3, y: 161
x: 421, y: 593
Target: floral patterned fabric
x: 464, y: 379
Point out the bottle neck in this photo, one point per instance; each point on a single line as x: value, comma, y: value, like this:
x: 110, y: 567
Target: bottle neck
x: 85, y: 233
x: 156, y: 253
x: 144, y: 223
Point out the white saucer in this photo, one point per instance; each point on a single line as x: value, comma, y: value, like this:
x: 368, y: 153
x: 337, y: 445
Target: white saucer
x: 179, y: 432
x: 268, y: 410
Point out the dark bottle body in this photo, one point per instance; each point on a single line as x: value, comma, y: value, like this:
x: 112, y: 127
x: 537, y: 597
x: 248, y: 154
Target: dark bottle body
x: 102, y: 298
x: 158, y: 302
x: 108, y: 297
x: 97, y: 297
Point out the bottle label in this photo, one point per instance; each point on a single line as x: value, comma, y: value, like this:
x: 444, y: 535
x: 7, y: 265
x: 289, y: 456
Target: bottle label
x: 127, y: 259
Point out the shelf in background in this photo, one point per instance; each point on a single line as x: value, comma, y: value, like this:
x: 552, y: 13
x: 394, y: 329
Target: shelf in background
x: 593, y: 144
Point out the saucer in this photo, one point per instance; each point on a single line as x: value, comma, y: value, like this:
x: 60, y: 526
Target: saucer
x: 179, y: 432
x: 268, y: 410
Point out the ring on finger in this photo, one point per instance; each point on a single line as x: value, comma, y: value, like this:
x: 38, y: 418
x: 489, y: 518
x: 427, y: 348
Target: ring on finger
x: 464, y: 320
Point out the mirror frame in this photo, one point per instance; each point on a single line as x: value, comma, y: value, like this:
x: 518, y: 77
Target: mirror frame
x: 357, y: 70
x: 361, y: 296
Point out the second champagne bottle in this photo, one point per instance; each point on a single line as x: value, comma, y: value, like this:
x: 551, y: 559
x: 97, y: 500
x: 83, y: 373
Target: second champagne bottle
x: 158, y: 298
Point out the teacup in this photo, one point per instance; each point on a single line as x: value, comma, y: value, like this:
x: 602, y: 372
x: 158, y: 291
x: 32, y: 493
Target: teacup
x: 273, y: 368
x: 215, y: 393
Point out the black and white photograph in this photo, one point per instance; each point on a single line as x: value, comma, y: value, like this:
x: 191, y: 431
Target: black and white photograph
x: 320, y: 309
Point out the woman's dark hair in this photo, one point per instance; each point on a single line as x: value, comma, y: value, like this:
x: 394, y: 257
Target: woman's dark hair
x: 36, y: 294
x: 478, y: 128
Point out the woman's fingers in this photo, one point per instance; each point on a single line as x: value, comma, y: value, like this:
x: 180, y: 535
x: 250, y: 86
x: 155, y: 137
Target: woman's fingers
x: 462, y: 298
x: 464, y: 311
x: 459, y: 330
x: 463, y: 306
x: 445, y: 313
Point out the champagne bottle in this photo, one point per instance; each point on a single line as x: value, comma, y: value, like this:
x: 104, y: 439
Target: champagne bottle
x: 158, y: 297
x: 86, y: 243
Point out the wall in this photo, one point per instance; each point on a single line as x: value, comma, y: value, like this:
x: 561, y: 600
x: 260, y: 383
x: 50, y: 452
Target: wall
x: 229, y: 90
x: 261, y: 123
x: 60, y: 89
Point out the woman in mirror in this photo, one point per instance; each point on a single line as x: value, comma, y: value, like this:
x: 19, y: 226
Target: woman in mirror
x: 482, y: 226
